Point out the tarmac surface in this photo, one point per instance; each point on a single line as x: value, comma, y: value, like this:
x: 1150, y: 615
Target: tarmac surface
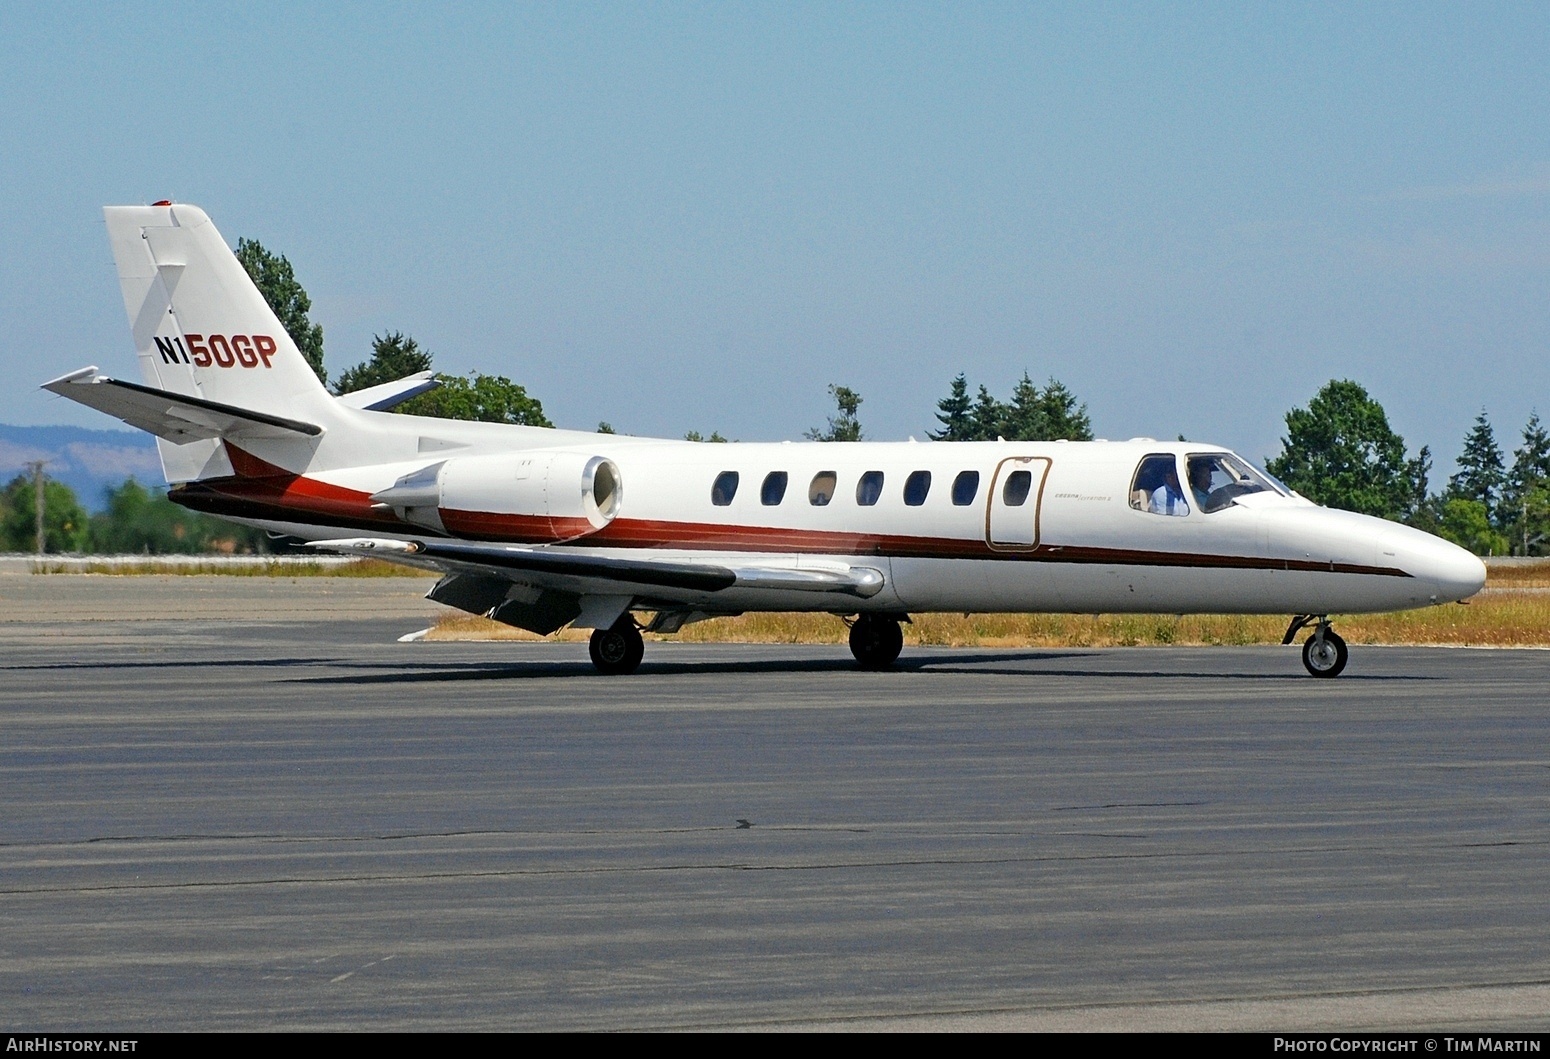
x: 238, y: 802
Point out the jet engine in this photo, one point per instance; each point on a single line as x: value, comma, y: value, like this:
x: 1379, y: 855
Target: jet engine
x: 532, y: 498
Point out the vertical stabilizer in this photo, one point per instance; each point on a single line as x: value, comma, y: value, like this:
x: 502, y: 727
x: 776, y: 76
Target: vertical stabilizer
x: 202, y: 328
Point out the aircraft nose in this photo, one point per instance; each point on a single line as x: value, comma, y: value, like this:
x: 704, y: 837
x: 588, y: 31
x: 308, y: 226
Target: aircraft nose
x: 1455, y: 573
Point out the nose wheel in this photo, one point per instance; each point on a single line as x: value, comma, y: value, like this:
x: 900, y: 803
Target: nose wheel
x: 618, y: 650
x: 876, y: 641
x: 1324, y: 654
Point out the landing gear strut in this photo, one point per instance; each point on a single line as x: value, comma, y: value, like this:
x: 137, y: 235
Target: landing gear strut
x: 1324, y: 654
x: 876, y: 641
x: 618, y: 650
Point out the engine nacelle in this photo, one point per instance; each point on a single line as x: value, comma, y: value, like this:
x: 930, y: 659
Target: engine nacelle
x: 528, y: 497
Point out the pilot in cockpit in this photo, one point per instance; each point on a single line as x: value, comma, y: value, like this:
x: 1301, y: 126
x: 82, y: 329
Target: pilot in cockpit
x: 1200, y: 478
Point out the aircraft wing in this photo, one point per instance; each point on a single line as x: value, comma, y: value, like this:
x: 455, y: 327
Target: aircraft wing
x: 179, y: 418
x: 572, y: 571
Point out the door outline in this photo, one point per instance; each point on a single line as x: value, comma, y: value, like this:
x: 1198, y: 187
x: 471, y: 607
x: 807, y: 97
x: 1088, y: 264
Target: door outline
x: 1024, y: 463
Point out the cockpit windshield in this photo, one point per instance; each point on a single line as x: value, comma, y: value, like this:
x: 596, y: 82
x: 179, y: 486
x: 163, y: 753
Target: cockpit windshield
x: 1217, y: 479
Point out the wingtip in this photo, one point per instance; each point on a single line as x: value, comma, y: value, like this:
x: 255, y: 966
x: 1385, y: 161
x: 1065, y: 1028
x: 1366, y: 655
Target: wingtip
x: 79, y: 375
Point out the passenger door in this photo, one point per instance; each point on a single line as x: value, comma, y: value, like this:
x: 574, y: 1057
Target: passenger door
x: 1012, y: 504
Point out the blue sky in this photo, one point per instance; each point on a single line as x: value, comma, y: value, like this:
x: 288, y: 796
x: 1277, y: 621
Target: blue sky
x: 688, y: 216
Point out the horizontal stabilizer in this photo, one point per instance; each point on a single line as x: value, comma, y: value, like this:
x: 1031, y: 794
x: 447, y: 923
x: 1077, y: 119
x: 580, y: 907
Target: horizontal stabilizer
x: 178, y: 418
x: 534, y: 563
x: 390, y: 394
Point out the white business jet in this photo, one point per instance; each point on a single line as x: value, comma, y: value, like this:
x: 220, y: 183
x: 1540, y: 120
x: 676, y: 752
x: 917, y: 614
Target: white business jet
x: 542, y: 528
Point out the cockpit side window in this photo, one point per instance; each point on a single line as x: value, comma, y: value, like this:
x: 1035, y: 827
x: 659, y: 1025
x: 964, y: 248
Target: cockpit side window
x: 1156, y: 486
x: 1217, y: 479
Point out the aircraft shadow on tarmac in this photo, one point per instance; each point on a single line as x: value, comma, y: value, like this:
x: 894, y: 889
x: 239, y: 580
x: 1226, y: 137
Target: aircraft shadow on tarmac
x: 967, y: 664
x: 977, y: 663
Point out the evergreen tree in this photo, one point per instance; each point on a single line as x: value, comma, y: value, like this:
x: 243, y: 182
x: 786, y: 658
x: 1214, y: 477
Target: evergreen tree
x: 953, y: 413
x: 1420, y: 509
x: 1032, y: 414
x: 393, y: 356
x: 1063, y: 417
x: 1530, y: 464
x: 1341, y: 452
x: 276, y: 281
x: 1524, y: 511
x: 1481, y: 474
x: 845, y: 426
x: 987, y: 419
x: 1024, y: 416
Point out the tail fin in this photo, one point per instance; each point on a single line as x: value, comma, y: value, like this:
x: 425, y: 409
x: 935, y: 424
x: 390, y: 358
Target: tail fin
x: 202, y: 329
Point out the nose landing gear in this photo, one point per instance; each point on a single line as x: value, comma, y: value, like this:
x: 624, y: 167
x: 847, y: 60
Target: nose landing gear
x: 1324, y: 654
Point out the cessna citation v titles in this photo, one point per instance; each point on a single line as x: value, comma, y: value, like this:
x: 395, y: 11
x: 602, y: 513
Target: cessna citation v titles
x: 543, y: 528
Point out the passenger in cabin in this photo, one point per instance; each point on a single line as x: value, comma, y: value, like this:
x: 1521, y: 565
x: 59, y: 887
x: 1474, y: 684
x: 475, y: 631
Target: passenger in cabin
x: 1168, y: 498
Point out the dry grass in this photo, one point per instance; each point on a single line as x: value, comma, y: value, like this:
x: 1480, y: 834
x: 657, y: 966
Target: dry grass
x: 1519, y: 575
x: 1513, y: 611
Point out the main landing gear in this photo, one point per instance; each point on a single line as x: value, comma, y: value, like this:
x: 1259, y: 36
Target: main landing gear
x: 876, y: 640
x: 618, y: 650
x: 1324, y: 654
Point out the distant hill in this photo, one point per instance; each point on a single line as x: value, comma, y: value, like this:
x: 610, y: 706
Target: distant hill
x: 88, y: 461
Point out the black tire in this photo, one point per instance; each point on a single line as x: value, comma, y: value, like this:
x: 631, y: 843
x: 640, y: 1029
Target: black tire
x: 1327, y: 663
x: 876, y: 642
x: 618, y: 650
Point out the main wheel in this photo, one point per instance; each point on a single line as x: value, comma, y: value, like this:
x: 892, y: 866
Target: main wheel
x: 876, y: 642
x: 618, y: 650
x: 1327, y: 659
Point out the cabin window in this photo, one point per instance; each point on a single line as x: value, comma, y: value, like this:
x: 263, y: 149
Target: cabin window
x: 1015, y: 492
x: 773, y: 491
x: 869, y: 488
x: 821, y: 491
x: 1156, y: 488
x: 916, y: 486
x: 964, y: 487
x: 725, y: 489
